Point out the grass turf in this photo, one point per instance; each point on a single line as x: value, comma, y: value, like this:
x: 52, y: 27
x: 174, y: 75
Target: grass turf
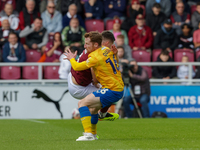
x: 121, y: 134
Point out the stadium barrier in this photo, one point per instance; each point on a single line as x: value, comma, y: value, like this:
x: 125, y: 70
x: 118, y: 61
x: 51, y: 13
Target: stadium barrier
x: 42, y: 81
x: 49, y: 99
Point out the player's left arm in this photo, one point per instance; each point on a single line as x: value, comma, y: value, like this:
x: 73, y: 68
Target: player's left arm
x: 79, y: 66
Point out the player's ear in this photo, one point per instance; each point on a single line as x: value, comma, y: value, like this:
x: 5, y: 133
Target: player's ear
x: 95, y: 45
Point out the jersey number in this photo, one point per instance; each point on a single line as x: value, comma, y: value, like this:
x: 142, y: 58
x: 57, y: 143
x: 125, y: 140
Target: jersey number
x: 112, y: 65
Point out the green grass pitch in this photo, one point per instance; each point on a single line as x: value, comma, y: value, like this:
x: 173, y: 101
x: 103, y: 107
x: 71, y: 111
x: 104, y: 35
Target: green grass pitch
x: 122, y: 134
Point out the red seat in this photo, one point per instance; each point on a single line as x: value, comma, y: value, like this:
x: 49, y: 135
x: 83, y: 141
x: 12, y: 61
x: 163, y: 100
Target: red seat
x: 156, y: 53
x: 94, y: 25
x: 10, y: 72
x: 109, y: 24
x: 32, y: 56
x: 30, y: 72
x: 141, y: 56
x: 149, y: 70
x: 179, y: 53
x: 193, y: 9
x: 51, y: 72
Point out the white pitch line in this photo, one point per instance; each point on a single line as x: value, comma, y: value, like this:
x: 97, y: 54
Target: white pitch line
x: 36, y: 121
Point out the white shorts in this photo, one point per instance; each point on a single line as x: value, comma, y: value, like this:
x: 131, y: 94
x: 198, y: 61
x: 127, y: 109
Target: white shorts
x: 78, y: 91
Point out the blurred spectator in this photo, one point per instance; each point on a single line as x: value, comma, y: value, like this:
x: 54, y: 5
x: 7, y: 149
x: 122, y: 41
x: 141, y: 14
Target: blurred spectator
x: 186, y: 38
x: 52, y: 19
x: 192, y: 2
x: 122, y: 57
x: 93, y: 9
x: 73, y: 35
x: 164, y: 72
x: 134, y: 10
x: 44, y: 3
x: 65, y: 65
x: 183, y: 70
x: 155, y: 19
x: 117, y: 31
x: 114, y: 8
x: 72, y: 13
x: 66, y: 3
x: 21, y: 4
x: 28, y: 14
x: 4, y: 31
x: 166, y: 37
x: 13, y: 51
x: 54, y: 49
x: 186, y: 8
x: 12, y: 16
x: 196, y: 17
x: 141, y: 89
x: 4, y: 2
x: 36, y: 35
x: 127, y: 50
x: 140, y: 36
x: 196, y: 39
x: 165, y: 6
x: 179, y: 17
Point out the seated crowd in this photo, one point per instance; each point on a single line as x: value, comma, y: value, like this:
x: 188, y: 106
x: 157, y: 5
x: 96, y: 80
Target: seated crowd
x: 50, y: 26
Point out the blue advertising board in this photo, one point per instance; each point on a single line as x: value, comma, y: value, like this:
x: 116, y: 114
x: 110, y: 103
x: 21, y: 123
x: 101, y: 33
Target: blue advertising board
x: 176, y: 101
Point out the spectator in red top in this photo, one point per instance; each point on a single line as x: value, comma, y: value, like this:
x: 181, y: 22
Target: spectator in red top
x: 179, y: 17
x: 54, y: 49
x: 28, y: 14
x: 134, y: 9
x: 196, y: 39
x: 4, y: 2
x: 140, y: 36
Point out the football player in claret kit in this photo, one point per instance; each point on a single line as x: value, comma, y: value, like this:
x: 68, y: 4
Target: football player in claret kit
x: 104, y: 64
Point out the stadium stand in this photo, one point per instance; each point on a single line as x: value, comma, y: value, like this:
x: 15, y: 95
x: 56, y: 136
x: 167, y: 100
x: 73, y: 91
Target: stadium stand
x: 179, y: 53
x: 10, y: 72
x: 94, y: 25
x: 141, y: 56
x: 51, y: 72
x: 32, y: 56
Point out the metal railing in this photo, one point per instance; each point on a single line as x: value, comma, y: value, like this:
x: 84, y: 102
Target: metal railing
x: 42, y: 81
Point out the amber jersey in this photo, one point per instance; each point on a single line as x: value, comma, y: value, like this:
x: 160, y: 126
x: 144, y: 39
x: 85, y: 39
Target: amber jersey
x: 105, y: 67
x: 84, y: 77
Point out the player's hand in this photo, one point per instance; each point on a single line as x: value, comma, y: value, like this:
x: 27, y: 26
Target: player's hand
x: 114, y: 49
x: 69, y: 55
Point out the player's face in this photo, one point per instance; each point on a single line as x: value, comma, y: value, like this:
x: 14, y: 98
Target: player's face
x: 89, y: 46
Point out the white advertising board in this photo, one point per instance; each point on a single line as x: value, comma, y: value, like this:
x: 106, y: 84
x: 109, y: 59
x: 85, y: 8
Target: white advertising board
x: 36, y: 102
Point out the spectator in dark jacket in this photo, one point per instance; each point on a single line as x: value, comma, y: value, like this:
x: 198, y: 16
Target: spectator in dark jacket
x: 155, y: 19
x: 140, y: 36
x: 13, y: 51
x: 196, y: 17
x: 66, y: 3
x: 28, y: 14
x: 166, y: 37
x: 186, y: 38
x: 4, y: 31
x: 165, y: 6
x: 187, y: 7
x: 179, y: 17
x: 141, y: 89
x: 72, y: 13
x: 114, y: 8
x: 164, y: 72
x: 134, y: 10
x: 36, y: 35
x: 93, y: 9
x: 21, y: 4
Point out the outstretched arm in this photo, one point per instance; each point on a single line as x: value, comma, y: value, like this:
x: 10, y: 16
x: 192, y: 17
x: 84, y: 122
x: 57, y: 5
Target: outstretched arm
x: 75, y: 65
